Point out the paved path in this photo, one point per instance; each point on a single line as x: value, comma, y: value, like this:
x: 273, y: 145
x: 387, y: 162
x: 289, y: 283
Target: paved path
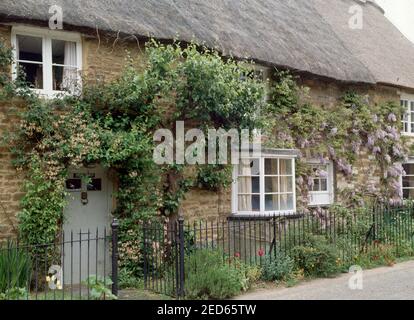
x: 394, y: 283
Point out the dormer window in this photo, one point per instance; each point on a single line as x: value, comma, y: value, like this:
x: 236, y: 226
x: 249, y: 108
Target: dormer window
x: 50, y: 60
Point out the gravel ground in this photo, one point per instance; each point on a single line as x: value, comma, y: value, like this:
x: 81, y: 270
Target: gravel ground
x: 385, y: 283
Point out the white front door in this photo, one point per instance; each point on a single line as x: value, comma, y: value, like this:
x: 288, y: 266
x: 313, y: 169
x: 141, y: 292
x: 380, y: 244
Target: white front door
x: 86, y: 222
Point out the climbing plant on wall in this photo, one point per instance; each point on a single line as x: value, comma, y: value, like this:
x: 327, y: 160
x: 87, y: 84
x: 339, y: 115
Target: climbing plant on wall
x: 113, y: 124
x: 352, y: 129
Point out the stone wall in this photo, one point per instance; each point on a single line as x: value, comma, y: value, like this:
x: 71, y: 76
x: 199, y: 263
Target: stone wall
x: 103, y: 59
x: 200, y: 204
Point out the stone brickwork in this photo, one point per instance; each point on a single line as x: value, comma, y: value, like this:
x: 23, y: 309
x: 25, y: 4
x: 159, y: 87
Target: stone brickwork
x: 200, y: 204
x: 103, y: 59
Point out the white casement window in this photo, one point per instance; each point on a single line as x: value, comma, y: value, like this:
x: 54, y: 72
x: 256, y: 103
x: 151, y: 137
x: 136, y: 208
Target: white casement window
x: 51, y: 60
x: 264, y: 186
x: 408, y: 181
x: 321, y: 192
x: 407, y: 101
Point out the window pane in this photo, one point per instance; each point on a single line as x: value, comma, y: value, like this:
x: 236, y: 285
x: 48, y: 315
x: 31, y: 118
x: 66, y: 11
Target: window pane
x: 408, y: 182
x: 29, y: 48
x: 95, y: 185
x: 286, y: 184
x: 409, y: 168
x: 256, y: 185
x: 64, y: 78
x: 324, y: 185
x: 271, y: 184
x: 285, y: 167
x: 249, y: 203
x: 316, y: 185
x: 249, y: 167
x: 408, y: 193
x: 32, y: 74
x: 255, y: 203
x: 271, y: 166
x: 271, y: 202
x: 64, y: 52
x: 249, y: 185
x: 286, y: 202
x: 73, y: 184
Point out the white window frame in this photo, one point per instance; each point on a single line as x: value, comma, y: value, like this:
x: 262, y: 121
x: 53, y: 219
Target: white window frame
x: 330, y: 186
x: 262, y: 212
x: 47, y: 36
x: 410, y: 161
x: 410, y: 120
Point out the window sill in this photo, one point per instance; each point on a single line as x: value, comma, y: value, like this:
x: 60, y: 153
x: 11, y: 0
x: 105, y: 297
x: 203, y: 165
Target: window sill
x: 51, y: 94
x: 262, y: 216
x: 315, y: 205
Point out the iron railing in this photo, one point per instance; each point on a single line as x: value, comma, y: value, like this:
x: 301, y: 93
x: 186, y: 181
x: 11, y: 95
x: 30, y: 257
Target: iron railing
x: 79, y: 265
x: 252, y: 240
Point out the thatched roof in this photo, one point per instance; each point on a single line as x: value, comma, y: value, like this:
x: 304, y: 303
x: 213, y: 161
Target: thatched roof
x: 305, y: 35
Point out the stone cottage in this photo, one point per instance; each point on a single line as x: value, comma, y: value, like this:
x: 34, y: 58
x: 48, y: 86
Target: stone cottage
x: 332, y: 46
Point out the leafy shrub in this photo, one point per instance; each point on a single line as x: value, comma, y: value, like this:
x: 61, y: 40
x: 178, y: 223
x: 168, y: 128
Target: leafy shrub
x: 378, y: 255
x: 15, y: 268
x: 128, y: 280
x: 14, y: 294
x: 279, y: 268
x: 209, y: 276
x: 316, y: 257
x: 99, y: 288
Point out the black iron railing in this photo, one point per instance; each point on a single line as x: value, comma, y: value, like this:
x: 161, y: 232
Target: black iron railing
x: 255, y: 239
x: 79, y: 265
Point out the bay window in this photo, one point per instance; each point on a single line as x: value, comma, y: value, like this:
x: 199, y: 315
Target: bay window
x: 50, y: 60
x: 264, y: 186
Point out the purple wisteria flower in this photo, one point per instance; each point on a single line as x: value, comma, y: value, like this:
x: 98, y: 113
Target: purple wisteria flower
x: 322, y: 159
x: 393, y: 133
x: 376, y: 150
x: 304, y: 143
x: 332, y: 152
x: 396, y: 151
x: 380, y: 134
x: 370, y: 141
x: 346, y: 168
x: 310, y: 182
x: 323, y: 174
x: 392, y: 117
x: 394, y: 171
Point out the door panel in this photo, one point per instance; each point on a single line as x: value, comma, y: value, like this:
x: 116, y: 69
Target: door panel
x: 87, y: 216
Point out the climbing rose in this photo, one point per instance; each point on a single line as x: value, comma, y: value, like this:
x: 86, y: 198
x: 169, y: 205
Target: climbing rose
x: 260, y: 252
